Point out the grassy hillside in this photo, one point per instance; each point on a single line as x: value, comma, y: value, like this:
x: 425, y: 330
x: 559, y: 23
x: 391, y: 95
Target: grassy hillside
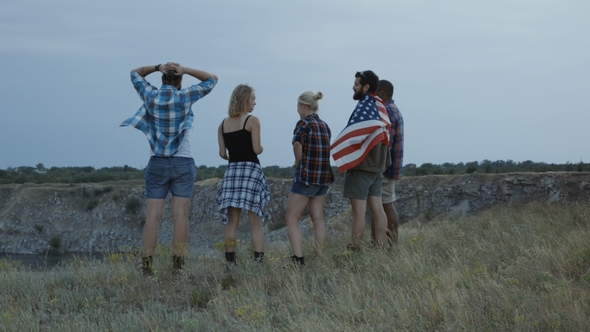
x: 519, y: 269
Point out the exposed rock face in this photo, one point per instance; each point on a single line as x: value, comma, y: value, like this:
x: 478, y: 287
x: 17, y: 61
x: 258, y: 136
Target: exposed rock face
x: 94, y: 217
x: 470, y: 194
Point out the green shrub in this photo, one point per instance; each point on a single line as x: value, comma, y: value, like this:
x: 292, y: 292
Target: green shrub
x: 228, y: 282
x: 200, y: 297
x: 91, y: 205
x: 133, y: 204
x: 54, y: 245
x: 421, y: 171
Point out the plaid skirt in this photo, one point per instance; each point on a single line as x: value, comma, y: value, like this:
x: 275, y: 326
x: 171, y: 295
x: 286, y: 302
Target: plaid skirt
x: 244, y: 186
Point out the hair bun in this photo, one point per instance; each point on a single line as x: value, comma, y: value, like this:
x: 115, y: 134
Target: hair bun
x: 319, y: 95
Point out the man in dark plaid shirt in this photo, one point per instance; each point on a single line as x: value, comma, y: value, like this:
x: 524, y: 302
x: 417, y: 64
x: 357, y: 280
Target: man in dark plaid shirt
x: 394, y: 172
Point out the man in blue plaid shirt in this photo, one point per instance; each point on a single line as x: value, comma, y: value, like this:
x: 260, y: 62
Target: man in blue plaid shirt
x: 166, y: 118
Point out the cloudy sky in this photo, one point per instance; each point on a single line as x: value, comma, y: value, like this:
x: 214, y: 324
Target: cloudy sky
x: 474, y: 80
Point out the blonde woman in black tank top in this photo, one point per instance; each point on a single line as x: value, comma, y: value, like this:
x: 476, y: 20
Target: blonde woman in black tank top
x: 244, y: 185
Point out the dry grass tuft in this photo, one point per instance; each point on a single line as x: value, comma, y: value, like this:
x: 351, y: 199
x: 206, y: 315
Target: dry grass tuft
x: 508, y: 269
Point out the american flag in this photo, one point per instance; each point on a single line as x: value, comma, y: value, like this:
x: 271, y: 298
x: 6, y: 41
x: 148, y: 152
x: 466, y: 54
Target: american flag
x: 368, y: 125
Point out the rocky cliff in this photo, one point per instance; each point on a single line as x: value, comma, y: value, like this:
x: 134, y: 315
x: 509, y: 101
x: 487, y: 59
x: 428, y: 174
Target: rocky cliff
x: 109, y: 217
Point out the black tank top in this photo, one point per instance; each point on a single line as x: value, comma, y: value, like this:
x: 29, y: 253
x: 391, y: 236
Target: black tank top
x: 239, y: 144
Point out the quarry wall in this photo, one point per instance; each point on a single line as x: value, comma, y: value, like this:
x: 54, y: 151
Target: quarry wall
x: 98, y: 217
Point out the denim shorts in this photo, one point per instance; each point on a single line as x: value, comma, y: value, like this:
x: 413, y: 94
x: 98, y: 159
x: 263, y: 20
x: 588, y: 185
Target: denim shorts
x: 311, y: 190
x: 174, y: 174
x: 362, y: 184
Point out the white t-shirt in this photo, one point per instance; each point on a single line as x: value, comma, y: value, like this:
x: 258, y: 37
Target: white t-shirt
x: 184, y: 150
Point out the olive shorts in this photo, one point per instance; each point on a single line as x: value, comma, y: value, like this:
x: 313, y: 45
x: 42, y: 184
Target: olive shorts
x: 362, y: 184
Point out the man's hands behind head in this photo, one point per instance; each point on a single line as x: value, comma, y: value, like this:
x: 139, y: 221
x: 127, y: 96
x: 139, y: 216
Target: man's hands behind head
x: 172, y: 66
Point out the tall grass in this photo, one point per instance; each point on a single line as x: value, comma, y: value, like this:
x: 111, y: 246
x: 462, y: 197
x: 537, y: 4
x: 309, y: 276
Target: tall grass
x: 508, y: 269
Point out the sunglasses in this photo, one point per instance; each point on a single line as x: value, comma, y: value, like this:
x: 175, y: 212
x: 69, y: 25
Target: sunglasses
x: 362, y: 74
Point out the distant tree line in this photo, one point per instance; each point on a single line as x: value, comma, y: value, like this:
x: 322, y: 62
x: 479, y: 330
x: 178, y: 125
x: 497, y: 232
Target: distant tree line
x: 88, y: 174
x: 487, y: 166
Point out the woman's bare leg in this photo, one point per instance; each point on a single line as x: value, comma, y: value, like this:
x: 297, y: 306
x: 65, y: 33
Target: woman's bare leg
x: 257, y: 231
x: 231, y: 229
x: 316, y: 212
x: 295, y: 205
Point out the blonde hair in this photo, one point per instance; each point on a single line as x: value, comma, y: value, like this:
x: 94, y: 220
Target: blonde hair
x: 239, y: 98
x: 310, y: 99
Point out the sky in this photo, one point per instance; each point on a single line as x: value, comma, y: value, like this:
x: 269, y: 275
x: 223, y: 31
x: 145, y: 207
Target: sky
x: 474, y: 80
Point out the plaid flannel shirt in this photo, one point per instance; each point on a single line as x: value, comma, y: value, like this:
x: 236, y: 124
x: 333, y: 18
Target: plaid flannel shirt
x: 166, y: 113
x: 314, y: 136
x: 396, y: 143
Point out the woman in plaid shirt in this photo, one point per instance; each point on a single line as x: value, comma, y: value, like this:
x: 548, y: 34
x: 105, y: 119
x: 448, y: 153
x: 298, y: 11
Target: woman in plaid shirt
x: 313, y: 174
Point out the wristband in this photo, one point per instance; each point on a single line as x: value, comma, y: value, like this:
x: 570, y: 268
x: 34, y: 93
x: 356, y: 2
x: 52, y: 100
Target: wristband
x: 158, y: 67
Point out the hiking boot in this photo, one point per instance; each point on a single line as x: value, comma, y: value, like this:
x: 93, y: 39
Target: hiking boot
x: 177, y: 264
x: 258, y: 256
x: 350, y: 247
x: 230, y: 260
x: 300, y: 261
x: 146, y: 266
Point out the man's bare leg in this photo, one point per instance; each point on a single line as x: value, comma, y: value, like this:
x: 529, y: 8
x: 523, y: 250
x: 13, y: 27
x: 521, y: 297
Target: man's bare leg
x: 379, y: 219
x: 359, y: 207
x: 155, y: 211
x: 392, y: 223
x: 180, y: 211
